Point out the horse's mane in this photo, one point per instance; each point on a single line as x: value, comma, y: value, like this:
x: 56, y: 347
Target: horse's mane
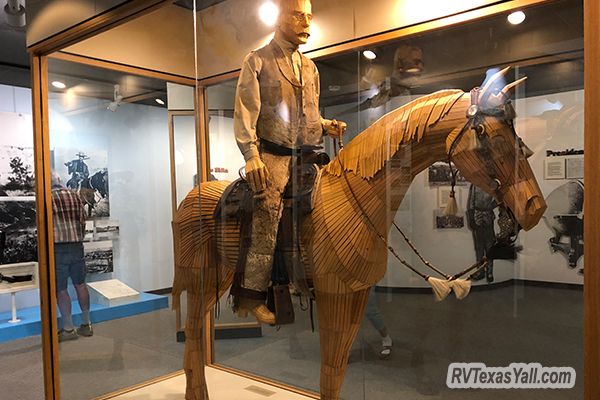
x: 366, y: 154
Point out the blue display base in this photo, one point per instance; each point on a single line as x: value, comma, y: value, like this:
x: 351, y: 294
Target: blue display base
x: 30, y: 324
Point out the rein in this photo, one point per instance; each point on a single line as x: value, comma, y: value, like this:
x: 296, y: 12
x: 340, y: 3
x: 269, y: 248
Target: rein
x: 477, y: 266
x: 474, y: 121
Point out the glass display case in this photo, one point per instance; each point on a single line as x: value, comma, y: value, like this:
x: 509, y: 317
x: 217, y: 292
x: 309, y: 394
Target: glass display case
x: 407, y: 340
x: 439, y: 238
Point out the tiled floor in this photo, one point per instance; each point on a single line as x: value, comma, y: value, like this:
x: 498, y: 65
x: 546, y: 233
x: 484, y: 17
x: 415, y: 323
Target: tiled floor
x: 507, y: 324
x: 221, y: 386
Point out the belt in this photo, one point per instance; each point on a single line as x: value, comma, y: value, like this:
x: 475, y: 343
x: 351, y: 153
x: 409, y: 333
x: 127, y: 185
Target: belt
x: 280, y: 150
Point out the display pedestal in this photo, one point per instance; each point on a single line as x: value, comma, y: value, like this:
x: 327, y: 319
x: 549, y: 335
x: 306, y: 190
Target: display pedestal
x: 111, y: 293
x: 13, y: 301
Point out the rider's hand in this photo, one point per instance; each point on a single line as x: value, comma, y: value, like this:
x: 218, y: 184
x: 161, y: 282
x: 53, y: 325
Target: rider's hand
x: 256, y: 174
x: 334, y: 129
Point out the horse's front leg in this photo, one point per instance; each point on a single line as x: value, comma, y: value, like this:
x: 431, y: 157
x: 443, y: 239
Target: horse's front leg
x: 340, y: 317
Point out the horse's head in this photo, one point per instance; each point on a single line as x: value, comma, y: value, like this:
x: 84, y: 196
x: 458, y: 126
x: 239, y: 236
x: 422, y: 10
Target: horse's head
x: 70, y: 168
x: 489, y: 153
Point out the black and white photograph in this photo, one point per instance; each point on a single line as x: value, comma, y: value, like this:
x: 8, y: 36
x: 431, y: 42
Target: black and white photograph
x: 98, y: 257
x: 439, y: 175
x: 86, y: 171
x: 564, y: 216
x: 106, y: 229
x: 18, y: 231
x: 448, y: 221
x: 554, y: 168
x: 16, y: 172
x: 89, y: 231
x: 574, y: 167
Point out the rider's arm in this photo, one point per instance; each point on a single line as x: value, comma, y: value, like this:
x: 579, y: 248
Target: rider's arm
x: 247, y: 106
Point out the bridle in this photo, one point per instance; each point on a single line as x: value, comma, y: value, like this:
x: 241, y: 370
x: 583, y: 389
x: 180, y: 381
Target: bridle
x: 475, y: 118
x: 476, y: 115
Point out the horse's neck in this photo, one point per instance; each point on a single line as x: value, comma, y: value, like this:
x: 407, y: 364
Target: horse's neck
x: 391, y: 183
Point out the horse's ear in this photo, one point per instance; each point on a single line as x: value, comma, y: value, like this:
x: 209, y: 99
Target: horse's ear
x: 490, y: 84
x: 498, y: 99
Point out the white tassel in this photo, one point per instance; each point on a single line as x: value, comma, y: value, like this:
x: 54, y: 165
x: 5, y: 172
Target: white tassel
x: 461, y: 287
x: 452, y: 207
x: 441, y: 288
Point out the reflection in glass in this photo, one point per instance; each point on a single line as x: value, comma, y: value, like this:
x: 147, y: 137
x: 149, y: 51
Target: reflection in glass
x: 503, y: 319
x: 109, y: 153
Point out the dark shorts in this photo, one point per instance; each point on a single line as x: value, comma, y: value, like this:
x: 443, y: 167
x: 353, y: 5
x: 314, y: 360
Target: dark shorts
x: 68, y: 258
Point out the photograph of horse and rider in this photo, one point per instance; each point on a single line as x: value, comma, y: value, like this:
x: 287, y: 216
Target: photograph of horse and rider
x: 87, y: 173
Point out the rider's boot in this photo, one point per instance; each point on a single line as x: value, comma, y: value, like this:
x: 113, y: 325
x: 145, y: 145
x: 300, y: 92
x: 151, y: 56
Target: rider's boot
x: 256, y: 308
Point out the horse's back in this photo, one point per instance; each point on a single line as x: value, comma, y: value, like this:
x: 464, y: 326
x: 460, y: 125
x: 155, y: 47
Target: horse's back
x: 193, y: 226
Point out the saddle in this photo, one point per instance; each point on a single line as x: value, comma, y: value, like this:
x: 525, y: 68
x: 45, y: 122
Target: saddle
x: 291, y: 263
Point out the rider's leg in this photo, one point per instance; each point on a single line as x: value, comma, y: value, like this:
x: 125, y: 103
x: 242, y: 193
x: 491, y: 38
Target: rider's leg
x: 268, y: 207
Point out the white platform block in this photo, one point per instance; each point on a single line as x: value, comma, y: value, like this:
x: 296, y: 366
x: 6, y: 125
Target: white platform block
x: 111, y: 293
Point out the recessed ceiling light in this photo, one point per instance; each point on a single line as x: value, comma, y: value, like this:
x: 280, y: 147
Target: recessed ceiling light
x: 516, y: 17
x: 160, y: 101
x: 370, y: 55
x: 268, y: 13
x: 413, y: 70
x: 58, y: 84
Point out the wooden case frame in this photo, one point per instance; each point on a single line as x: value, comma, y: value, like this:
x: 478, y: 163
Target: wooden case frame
x: 51, y: 47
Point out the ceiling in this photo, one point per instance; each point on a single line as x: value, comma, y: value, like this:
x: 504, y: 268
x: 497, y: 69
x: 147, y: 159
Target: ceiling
x: 14, y: 59
x: 200, y: 4
x: 547, y: 47
x: 97, y: 83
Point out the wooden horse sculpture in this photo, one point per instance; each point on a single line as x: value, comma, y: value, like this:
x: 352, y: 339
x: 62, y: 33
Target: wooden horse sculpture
x: 355, y: 203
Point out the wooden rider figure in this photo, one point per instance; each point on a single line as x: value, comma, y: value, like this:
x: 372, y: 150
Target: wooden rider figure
x: 276, y: 115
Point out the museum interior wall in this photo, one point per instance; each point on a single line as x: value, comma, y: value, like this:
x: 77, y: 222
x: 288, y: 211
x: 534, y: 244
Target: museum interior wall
x: 227, y: 31
x: 502, y: 319
x: 46, y: 18
x: 18, y: 216
x: 139, y: 181
x: 130, y: 147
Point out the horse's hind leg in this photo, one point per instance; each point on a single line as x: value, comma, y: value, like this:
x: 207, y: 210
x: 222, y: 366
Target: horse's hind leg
x: 199, y: 305
x: 193, y: 360
x: 340, y: 317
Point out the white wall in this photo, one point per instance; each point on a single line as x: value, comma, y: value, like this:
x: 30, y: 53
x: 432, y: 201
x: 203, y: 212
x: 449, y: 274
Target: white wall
x: 16, y: 129
x: 136, y: 140
x: 224, y: 152
x: 547, y: 122
x: 186, y: 166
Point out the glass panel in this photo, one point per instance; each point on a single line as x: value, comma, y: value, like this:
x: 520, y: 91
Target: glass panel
x: 109, y: 149
x: 503, y: 320
x: 394, y: 171
x: 293, y: 349
x: 20, y: 340
x: 186, y: 160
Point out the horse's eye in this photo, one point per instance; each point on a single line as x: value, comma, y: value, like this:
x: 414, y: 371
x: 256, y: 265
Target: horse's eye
x: 480, y: 129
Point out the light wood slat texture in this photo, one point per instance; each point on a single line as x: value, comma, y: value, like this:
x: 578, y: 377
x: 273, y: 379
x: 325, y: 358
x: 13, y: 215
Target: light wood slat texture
x: 343, y: 235
x: 39, y: 78
x: 592, y: 201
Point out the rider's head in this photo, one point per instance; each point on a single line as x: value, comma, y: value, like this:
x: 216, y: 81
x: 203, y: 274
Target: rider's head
x: 294, y: 20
